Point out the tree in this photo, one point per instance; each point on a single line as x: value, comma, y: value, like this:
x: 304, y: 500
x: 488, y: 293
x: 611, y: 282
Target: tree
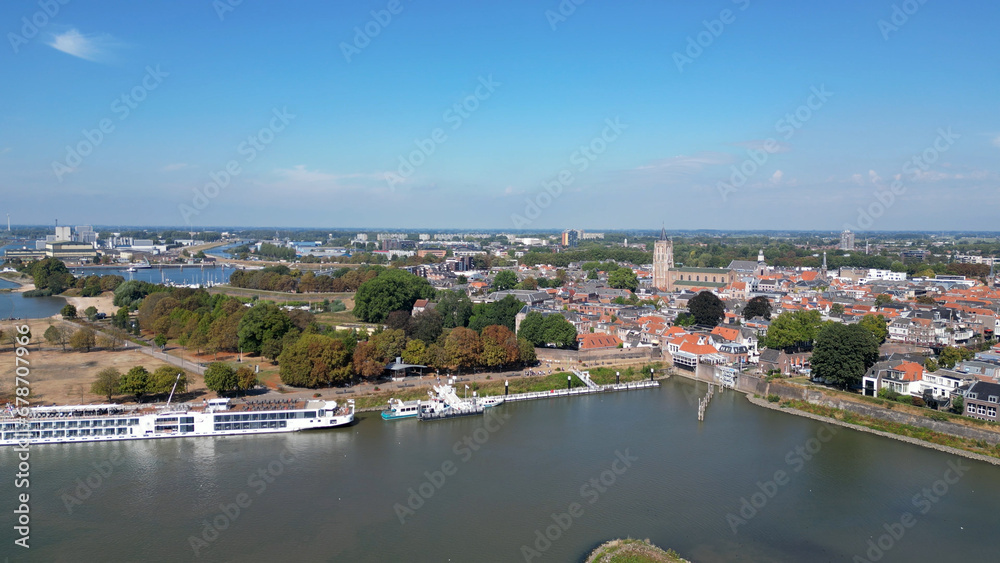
x: 263, y: 322
x: 68, y: 311
x: 455, y: 308
x: 951, y: 355
x: 504, y: 280
x: 882, y: 299
x: 958, y: 405
x: 314, y: 360
x: 837, y: 309
x: 930, y: 365
x: 793, y: 330
x: 425, y: 325
x: 759, y: 306
x: 134, y: 382
x: 246, y: 379
x: 83, y: 339
x: 220, y: 377
x: 684, y: 319
x: 707, y: 308
x: 877, y: 325
x: 526, y: 351
x: 557, y: 330
x: 500, y: 346
x: 623, y: 278
x: 415, y: 352
x: 366, y: 361
x: 160, y: 340
x: 391, y: 290
x: 531, y: 328
x: 843, y: 353
x: 112, y: 339
x: 90, y: 313
x: 389, y: 344
x: 161, y: 381
x: 106, y: 383
x: 51, y: 274
x: 398, y: 319
x: 463, y: 348
x: 503, y: 312
x: 58, y: 335
x: 926, y: 300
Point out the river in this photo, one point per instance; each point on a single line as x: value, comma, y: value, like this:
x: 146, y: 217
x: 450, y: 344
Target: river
x: 18, y: 306
x: 633, y: 464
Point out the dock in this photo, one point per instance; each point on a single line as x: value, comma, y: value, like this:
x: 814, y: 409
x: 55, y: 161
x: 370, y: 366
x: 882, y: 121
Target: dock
x: 589, y: 390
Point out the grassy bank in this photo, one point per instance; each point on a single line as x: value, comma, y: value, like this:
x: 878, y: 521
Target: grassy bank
x: 633, y: 551
x: 916, y: 432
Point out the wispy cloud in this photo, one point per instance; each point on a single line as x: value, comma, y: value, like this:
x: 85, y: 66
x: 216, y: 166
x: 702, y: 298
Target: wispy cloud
x: 98, y: 48
x: 996, y: 141
x: 687, y: 164
x: 5, y: 150
x: 175, y: 166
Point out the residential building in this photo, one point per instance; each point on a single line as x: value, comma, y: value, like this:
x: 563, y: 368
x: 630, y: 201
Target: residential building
x: 981, y: 400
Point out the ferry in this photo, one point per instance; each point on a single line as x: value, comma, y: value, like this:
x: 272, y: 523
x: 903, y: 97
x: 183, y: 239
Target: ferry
x: 215, y: 417
x: 443, y: 402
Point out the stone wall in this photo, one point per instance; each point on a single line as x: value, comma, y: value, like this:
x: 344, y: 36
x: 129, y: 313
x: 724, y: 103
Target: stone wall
x: 599, y: 357
x: 882, y: 413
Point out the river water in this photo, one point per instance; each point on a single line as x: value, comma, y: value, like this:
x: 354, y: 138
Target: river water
x: 18, y: 306
x: 633, y: 464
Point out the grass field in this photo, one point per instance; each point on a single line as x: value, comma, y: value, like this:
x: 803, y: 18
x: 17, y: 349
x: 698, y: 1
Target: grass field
x: 633, y: 551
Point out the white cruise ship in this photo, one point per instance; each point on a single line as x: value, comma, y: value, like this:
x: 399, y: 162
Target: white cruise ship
x: 216, y: 417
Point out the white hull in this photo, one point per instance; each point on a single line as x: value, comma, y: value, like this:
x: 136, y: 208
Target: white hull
x: 45, y: 426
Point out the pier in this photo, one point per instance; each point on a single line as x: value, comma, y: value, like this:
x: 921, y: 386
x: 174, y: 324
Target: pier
x: 581, y: 391
x: 703, y: 402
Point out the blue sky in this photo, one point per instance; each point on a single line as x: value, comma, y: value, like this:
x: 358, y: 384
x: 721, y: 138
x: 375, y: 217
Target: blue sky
x: 353, y: 107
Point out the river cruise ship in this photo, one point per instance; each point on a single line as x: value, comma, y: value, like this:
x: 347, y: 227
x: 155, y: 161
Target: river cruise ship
x: 215, y: 417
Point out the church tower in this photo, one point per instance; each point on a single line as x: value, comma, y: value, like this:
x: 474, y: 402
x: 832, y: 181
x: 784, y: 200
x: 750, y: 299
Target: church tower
x: 761, y: 264
x: 663, y: 261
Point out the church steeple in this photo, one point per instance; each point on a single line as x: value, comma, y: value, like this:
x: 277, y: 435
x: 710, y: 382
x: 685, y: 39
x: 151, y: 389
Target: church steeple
x: 663, y: 233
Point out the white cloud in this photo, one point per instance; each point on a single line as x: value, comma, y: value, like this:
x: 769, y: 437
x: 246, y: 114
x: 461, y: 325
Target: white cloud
x: 996, y: 141
x: 775, y: 147
x: 777, y: 176
x: 175, y: 166
x: 5, y: 150
x: 687, y: 164
x: 95, y: 47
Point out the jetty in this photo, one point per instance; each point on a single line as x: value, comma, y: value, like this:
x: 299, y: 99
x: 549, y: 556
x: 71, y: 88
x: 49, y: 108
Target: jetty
x: 594, y: 390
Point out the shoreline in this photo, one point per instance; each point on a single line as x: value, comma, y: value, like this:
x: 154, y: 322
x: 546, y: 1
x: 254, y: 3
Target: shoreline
x: 761, y: 402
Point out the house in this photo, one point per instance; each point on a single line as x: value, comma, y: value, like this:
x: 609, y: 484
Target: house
x: 421, y: 305
x: 595, y: 341
x: 786, y: 363
x: 981, y: 400
x: 943, y: 383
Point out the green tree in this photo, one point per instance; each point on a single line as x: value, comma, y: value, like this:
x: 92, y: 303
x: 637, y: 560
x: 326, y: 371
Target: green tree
x: 455, y: 309
x: 83, y: 339
x: 415, y: 352
x: 531, y: 328
x: 160, y: 340
x: 106, y: 383
x: 793, y: 329
x: 220, y: 377
x: 526, y: 351
x: 51, y: 274
x: 68, y: 311
x: 426, y: 325
x: 951, y: 355
x: 263, y: 322
x: 623, y: 278
x: 392, y: 290
x: 930, y: 365
x: 958, y: 405
x: 759, y: 306
x: 90, y: 313
x: 926, y: 300
x: 504, y: 280
x: 557, y: 330
x: 135, y: 382
x: 58, y: 335
x: 684, y: 319
x: 707, y: 308
x: 837, y: 309
x: 882, y: 299
x: 246, y: 379
x: 877, y: 325
x: 503, y: 312
x: 314, y: 360
x: 389, y: 344
x: 843, y: 353
x: 161, y: 381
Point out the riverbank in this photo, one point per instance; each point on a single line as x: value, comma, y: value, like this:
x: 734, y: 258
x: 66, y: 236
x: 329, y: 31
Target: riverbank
x: 902, y: 432
x: 632, y: 551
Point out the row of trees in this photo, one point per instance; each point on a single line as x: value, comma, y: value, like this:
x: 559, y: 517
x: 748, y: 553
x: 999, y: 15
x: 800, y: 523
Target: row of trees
x: 281, y: 278
x: 84, y: 339
x: 138, y: 382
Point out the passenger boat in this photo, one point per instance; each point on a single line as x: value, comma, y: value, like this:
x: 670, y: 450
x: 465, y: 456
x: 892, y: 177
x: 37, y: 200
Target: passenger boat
x: 215, y: 417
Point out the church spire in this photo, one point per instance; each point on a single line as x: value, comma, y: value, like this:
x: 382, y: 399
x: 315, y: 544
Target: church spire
x: 663, y: 232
